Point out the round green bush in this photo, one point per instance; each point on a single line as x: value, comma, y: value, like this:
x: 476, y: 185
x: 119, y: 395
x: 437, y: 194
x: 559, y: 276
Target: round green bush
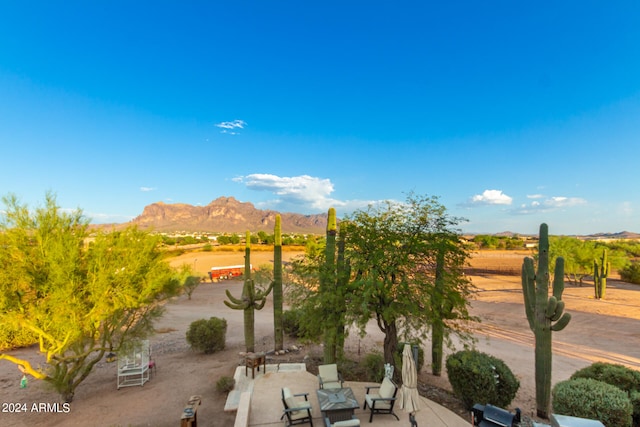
x: 589, y: 398
x: 618, y: 375
x: 624, y: 378
x: 477, y: 377
x: 207, y: 335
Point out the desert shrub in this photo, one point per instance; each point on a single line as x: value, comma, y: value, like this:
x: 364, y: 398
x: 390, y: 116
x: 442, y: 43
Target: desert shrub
x: 618, y: 375
x: 291, y: 322
x: 589, y: 398
x: 207, y: 247
x: 225, y: 384
x: 207, y: 335
x: 624, y: 378
x: 351, y: 370
x: 480, y: 378
x: 373, y: 364
x: 295, y: 325
x: 631, y: 272
x: 398, y: 356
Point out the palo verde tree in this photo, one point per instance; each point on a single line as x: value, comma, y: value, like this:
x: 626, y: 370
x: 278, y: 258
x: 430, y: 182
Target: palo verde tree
x: 393, y: 250
x: 81, y: 295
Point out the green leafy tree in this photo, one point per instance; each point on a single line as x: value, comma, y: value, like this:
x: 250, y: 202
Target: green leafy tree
x: 397, y: 253
x: 82, y: 295
x: 188, y: 280
x: 578, y: 257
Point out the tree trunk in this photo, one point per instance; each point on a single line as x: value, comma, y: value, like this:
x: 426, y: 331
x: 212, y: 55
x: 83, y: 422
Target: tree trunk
x: 437, y: 345
x: 437, y: 329
x: 391, y: 345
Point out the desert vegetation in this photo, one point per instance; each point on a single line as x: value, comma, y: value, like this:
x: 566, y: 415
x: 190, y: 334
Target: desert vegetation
x: 78, y: 296
x: 84, y: 294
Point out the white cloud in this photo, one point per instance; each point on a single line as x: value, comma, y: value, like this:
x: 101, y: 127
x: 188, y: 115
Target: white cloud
x: 303, y: 192
x: 491, y: 197
x: 147, y: 189
x: 535, y: 196
x: 549, y: 204
x: 229, y: 127
x: 564, y: 202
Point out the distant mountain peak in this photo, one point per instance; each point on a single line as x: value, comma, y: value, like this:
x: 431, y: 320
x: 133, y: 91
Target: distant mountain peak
x: 224, y: 214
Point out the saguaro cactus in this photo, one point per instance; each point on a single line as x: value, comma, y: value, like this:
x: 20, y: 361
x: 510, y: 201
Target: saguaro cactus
x: 544, y: 313
x: 278, y: 328
x: 250, y: 300
x: 343, y: 273
x: 600, y: 274
x: 327, y: 288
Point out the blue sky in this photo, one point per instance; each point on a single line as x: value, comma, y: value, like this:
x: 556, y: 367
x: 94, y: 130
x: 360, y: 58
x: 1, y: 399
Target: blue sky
x: 513, y: 113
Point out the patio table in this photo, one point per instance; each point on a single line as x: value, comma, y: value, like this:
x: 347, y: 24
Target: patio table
x: 337, y: 404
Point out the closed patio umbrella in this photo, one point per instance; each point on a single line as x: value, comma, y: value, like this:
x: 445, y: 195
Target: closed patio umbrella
x: 409, y: 397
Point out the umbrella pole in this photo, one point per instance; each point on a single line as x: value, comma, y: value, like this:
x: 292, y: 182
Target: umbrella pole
x: 412, y: 419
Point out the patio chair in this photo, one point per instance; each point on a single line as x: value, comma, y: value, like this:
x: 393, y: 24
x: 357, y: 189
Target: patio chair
x: 353, y: 422
x: 381, y: 402
x: 329, y: 377
x: 296, y: 410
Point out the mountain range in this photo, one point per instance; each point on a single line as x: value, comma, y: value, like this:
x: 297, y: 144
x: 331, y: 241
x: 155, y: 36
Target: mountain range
x: 228, y: 215
x: 224, y: 214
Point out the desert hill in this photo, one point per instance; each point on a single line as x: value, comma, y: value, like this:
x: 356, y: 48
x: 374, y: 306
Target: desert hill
x: 224, y: 214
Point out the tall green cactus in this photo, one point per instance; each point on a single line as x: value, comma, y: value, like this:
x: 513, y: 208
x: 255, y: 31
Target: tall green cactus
x: 250, y: 300
x: 278, y: 328
x: 327, y: 288
x: 600, y: 274
x: 544, y: 313
x: 343, y: 273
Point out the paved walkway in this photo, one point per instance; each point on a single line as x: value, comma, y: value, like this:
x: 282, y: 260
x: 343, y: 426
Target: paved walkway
x: 266, y: 403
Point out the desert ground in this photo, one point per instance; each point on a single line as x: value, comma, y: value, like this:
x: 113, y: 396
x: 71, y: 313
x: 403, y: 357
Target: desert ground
x: 600, y: 330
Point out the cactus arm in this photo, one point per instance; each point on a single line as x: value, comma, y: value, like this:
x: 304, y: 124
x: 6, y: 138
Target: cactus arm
x: 562, y: 323
x: 558, y: 311
x: 528, y: 290
x: 260, y: 298
x: 552, y: 305
x: 239, y: 302
x: 558, y: 278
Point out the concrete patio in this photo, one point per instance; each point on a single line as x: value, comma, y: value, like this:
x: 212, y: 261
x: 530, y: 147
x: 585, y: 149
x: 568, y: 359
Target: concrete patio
x: 266, y: 404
